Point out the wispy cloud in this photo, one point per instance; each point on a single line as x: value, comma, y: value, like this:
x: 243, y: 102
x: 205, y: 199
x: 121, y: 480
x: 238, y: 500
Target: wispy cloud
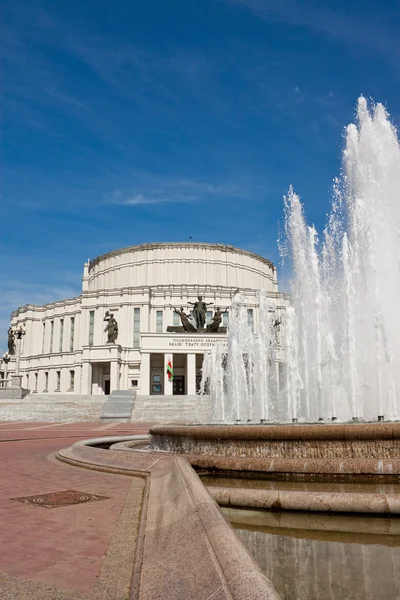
x: 119, y: 63
x: 57, y: 95
x: 359, y: 28
x: 140, y: 200
x: 153, y: 190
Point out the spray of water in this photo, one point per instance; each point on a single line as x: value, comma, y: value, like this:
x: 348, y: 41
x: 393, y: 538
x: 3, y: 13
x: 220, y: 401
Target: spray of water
x: 335, y: 352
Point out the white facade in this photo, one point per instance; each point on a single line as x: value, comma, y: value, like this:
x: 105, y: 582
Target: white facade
x: 65, y: 347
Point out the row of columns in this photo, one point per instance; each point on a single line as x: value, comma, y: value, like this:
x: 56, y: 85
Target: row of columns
x: 168, y: 386
x: 115, y: 368
x: 87, y: 377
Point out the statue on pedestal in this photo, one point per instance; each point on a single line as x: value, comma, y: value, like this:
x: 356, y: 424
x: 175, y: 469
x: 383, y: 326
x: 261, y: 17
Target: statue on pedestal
x: 11, y: 341
x: 111, y: 329
x: 199, y: 312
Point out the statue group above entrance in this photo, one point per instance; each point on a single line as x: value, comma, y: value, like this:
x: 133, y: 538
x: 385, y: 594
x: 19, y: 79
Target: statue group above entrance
x: 199, y: 314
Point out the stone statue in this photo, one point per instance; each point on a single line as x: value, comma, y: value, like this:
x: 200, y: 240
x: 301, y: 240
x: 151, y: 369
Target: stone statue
x: 199, y: 312
x: 11, y: 341
x: 216, y: 320
x: 186, y: 324
x: 112, y: 328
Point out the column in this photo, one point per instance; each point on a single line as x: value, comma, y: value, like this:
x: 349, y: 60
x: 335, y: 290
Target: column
x: 18, y: 354
x: 64, y: 380
x: 190, y: 374
x: 77, y: 378
x: 126, y: 384
x: 145, y: 374
x: 114, y: 376
x: 86, y: 387
x: 167, y: 382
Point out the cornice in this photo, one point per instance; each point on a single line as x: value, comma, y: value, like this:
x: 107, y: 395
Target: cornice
x: 49, y: 305
x: 161, y: 245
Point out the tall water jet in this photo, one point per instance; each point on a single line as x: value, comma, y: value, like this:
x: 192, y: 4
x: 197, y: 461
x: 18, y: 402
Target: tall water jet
x: 338, y: 342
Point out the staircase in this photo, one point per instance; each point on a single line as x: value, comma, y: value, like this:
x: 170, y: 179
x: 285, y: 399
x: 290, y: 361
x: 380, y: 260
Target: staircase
x: 52, y: 408
x: 119, y: 405
x: 178, y: 409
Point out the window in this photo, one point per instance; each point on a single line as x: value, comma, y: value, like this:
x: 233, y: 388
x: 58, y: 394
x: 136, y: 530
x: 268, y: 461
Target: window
x: 91, y: 327
x: 71, y: 380
x: 177, y: 320
x: 43, y: 336
x: 60, y: 347
x: 46, y: 381
x: 72, y: 334
x: 159, y: 321
x: 134, y: 382
x: 58, y: 381
x: 51, y: 336
x: 35, y: 382
x: 225, y: 319
x: 250, y: 318
x: 136, y: 327
x: 209, y: 317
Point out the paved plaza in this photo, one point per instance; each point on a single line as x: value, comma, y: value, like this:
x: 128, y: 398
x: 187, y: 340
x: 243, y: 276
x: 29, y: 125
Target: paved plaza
x: 81, y: 550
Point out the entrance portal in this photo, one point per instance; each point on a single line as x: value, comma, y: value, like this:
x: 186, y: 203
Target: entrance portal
x: 178, y: 385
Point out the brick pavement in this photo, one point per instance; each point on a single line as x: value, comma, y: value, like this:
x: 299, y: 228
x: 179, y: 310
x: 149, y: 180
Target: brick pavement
x: 63, y: 551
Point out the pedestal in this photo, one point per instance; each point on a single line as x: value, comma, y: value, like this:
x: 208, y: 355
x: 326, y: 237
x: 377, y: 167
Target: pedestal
x: 16, y: 381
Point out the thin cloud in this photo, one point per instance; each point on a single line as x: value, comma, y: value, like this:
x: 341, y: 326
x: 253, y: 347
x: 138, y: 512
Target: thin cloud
x: 141, y: 200
x: 211, y: 189
x: 55, y: 94
x: 360, y: 29
x: 153, y: 190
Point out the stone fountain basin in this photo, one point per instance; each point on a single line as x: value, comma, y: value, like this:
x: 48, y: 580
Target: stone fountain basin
x: 361, y: 452
x: 335, y: 449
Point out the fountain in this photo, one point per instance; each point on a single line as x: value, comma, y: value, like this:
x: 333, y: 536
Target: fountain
x: 332, y: 353
x: 339, y: 339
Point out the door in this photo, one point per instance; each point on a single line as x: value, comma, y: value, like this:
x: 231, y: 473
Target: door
x: 107, y: 387
x: 178, y: 385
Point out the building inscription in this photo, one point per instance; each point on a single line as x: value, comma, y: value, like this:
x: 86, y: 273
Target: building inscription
x: 196, y: 343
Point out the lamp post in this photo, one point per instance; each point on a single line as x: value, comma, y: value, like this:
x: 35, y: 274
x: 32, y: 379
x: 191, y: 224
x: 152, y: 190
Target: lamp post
x: 19, y: 332
x: 6, y: 359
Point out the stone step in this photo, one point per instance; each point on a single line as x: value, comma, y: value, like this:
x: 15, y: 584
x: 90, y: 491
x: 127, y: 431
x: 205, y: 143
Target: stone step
x: 119, y: 405
x: 191, y: 409
x: 52, y: 408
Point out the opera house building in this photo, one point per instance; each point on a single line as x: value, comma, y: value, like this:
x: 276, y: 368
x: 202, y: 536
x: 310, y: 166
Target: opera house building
x: 136, y: 318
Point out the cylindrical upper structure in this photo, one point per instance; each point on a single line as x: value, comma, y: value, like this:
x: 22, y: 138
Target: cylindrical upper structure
x: 185, y: 263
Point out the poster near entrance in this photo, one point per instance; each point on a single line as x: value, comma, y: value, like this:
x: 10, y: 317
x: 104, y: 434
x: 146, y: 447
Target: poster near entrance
x: 178, y: 385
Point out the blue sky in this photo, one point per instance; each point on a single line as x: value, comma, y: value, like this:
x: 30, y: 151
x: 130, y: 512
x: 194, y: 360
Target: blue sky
x: 127, y: 122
